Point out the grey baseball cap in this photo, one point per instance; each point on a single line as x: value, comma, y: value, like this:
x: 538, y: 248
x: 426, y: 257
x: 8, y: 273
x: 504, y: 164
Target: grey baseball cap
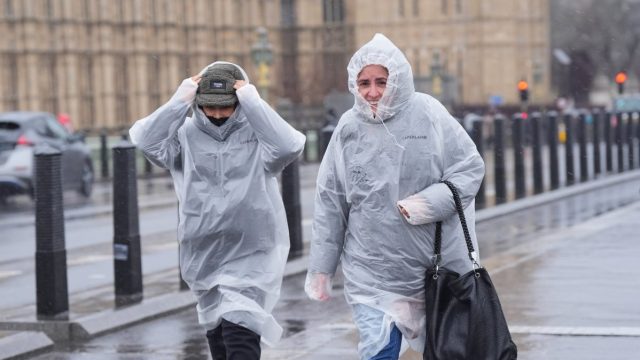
x: 216, y: 86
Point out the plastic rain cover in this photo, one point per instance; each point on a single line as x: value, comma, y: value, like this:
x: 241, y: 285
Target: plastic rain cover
x: 232, y: 226
x: 374, y: 164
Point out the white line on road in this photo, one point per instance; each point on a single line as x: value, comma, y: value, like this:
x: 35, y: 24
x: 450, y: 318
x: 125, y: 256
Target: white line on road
x: 576, y: 330
x: 10, y: 273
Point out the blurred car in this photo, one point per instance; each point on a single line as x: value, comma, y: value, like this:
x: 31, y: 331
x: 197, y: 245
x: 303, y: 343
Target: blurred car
x: 21, y: 133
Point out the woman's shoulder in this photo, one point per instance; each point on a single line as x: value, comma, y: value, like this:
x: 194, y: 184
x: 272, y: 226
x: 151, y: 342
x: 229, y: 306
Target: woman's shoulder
x: 347, y: 120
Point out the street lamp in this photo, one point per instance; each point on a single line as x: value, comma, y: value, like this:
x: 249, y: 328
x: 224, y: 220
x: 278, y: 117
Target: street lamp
x: 262, y: 56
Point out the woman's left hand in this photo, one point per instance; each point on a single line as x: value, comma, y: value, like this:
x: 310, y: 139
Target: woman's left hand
x: 239, y: 83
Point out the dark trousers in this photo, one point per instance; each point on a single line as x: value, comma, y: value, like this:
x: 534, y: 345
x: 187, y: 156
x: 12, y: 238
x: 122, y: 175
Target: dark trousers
x: 233, y: 342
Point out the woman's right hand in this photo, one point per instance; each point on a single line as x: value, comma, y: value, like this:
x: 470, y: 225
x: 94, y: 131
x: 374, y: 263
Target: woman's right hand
x: 196, y: 78
x: 318, y: 286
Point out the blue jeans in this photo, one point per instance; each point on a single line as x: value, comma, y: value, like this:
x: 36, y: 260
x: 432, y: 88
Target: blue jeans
x: 391, y: 351
x: 371, y: 329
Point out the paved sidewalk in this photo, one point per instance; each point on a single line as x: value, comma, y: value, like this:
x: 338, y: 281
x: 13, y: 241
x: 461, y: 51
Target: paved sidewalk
x: 569, y: 295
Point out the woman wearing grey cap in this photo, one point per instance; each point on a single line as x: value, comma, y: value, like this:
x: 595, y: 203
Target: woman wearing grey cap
x: 379, y: 196
x: 232, y: 229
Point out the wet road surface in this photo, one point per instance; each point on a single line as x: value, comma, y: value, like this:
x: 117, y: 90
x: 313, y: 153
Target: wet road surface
x: 527, y: 251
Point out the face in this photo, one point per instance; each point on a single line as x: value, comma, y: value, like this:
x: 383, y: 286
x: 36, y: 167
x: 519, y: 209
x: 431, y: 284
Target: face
x: 218, y: 112
x: 371, y: 82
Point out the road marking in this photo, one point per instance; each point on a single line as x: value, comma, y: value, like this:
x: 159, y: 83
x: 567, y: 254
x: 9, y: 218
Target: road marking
x: 88, y: 259
x: 165, y: 246
x: 10, y: 273
x: 577, y: 330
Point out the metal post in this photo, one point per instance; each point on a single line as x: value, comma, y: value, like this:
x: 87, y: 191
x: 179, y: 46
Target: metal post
x: 582, y: 146
x: 481, y: 200
x: 148, y: 167
x: 126, y: 230
x: 552, y: 142
x: 607, y: 140
x: 104, y: 155
x: 517, y: 135
x: 291, y: 199
x: 325, y: 137
x: 536, y: 149
x: 629, y: 140
x: 498, y: 162
x: 620, y: 141
x: 52, y: 295
x: 568, y: 150
x: 597, y: 166
x: 637, y: 117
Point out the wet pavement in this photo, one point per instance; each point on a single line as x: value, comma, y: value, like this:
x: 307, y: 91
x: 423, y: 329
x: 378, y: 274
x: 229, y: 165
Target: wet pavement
x: 564, y: 271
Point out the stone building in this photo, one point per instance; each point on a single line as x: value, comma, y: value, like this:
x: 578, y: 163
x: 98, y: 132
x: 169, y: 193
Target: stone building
x: 110, y: 62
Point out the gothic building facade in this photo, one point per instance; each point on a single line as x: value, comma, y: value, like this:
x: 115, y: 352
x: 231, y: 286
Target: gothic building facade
x: 110, y: 62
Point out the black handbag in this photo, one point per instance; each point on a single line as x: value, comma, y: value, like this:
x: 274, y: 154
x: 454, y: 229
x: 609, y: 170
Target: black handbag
x: 464, y: 316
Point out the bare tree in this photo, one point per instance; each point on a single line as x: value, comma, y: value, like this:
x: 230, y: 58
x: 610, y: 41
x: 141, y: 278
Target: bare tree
x: 607, y: 31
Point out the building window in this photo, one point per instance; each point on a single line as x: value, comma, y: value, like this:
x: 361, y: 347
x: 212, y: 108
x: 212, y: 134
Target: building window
x: 8, y: 8
x: 10, y: 82
x: 86, y: 10
x: 401, y: 8
x: 416, y: 8
x: 153, y: 67
x: 459, y: 6
x: 444, y: 7
x: 50, y: 82
x: 287, y: 8
x: 333, y: 11
x: 87, y: 104
x: 120, y: 10
x: 49, y: 9
x: 122, y: 90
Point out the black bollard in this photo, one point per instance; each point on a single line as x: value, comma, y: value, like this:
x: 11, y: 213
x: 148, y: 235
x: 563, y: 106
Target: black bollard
x: 568, y: 150
x: 637, y: 117
x: 552, y: 143
x: 597, y: 166
x: 582, y: 146
x: 481, y: 200
x: 291, y: 199
x: 608, y: 119
x: 148, y: 167
x: 498, y: 160
x: 126, y: 230
x: 325, y: 136
x: 629, y: 140
x: 104, y: 155
x: 517, y: 138
x: 620, y: 141
x: 52, y: 294
x: 536, y: 149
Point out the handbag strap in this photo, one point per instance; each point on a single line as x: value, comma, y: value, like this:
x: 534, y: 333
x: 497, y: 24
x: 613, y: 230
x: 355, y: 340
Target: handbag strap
x: 437, y: 247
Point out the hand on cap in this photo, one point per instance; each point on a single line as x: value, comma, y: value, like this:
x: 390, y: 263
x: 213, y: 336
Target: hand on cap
x: 239, y: 83
x: 197, y: 78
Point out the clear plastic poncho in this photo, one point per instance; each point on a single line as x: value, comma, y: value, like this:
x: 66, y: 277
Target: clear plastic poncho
x: 232, y: 229
x: 374, y: 164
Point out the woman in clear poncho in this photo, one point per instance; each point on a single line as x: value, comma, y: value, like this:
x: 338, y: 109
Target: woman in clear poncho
x: 379, y: 196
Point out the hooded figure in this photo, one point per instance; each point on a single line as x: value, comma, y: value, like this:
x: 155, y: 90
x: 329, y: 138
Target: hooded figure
x: 232, y: 229
x: 379, y: 196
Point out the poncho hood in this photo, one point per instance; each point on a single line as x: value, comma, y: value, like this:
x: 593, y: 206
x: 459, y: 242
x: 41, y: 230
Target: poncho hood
x: 381, y: 51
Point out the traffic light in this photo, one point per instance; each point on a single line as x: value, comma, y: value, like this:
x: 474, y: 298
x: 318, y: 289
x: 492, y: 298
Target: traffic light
x: 523, y: 88
x: 621, y: 77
